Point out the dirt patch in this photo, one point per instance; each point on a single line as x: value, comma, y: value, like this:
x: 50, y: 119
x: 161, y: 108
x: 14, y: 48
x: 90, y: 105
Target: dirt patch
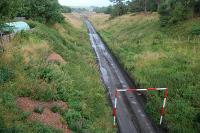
x: 54, y: 57
x: 47, y: 117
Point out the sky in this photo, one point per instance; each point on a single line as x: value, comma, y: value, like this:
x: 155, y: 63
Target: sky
x: 87, y: 3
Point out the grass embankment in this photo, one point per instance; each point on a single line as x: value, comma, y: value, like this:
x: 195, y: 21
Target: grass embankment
x: 159, y: 57
x: 26, y: 72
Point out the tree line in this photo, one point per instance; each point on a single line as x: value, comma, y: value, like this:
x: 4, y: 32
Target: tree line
x: 171, y: 11
x: 45, y: 11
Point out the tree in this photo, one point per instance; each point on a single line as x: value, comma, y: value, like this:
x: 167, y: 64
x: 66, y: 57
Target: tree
x: 144, y: 5
x: 66, y: 9
x: 9, y: 9
x: 158, y: 2
x: 108, y: 10
x: 135, y: 6
x: 119, y: 8
x: 174, y: 11
x: 46, y: 11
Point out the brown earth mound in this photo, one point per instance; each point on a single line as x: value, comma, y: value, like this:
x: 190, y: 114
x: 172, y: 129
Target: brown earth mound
x: 54, y: 57
x: 47, y: 117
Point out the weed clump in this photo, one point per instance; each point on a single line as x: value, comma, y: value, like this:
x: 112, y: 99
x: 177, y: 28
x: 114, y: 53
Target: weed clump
x: 55, y: 109
x: 196, y: 29
x: 5, y: 74
x: 39, y: 109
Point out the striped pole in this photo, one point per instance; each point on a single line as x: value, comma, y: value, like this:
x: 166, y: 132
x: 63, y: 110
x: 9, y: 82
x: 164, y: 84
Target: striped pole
x: 137, y: 90
x: 115, y: 108
x: 148, y: 89
x: 163, y: 107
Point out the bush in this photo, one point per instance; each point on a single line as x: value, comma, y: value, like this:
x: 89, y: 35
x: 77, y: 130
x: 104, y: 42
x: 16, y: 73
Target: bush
x: 195, y: 30
x: 2, y: 123
x: 25, y: 92
x: 40, y: 128
x: 8, y: 99
x: 74, y: 120
x: 46, y: 11
x: 55, y: 109
x: 174, y: 11
x: 23, y: 116
x: 119, y: 9
x: 32, y: 24
x: 46, y: 74
x: 197, y: 121
x: 5, y: 74
x: 66, y: 9
x: 39, y: 109
x: 44, y: 95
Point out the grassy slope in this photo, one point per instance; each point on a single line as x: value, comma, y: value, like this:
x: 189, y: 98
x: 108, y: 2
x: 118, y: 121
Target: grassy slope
x: 159, y: 57
x: 24, y: 71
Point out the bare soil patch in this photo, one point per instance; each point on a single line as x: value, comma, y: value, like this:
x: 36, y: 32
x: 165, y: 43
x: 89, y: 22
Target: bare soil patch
x: 54, y: 57
x: 47, y: 117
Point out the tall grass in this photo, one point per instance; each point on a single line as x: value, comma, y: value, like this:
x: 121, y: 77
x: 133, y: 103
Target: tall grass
x: 160, y: 57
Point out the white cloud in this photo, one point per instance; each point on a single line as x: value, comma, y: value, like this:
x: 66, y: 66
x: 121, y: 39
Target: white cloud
x: 85, y: 2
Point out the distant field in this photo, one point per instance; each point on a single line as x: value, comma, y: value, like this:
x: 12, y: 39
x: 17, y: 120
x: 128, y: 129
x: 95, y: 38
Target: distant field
x: 74, y: 19
x: 159, y: 57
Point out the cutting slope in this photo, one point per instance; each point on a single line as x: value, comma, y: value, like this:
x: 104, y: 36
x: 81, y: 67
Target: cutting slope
x: 159, y: 57
x: 52, y: 63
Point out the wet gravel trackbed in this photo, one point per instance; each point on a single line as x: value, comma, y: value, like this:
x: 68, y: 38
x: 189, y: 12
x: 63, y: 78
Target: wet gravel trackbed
x: 131, y: 117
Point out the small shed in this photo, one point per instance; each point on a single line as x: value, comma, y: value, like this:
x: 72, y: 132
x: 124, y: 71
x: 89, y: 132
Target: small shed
x: 16, y: 27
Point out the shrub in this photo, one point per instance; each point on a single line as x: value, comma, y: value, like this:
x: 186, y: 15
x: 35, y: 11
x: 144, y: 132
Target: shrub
x: 32, y: 24
x: 74, y: 120
x: 45, y: 95
x: 24, y: 35
x: 197, y: 121
x: 46, y: 74
x: 2, y: 123
x: 23, y: 116
x: 39, y: 109
x: 46, y: 11
x: 195, y: 30
x: 8, y: 99
x: 55, y: 109
x: 25, y: 92
x: 5, y: 74
x: 40, y: 128
x: 66, y: 9
x: 174, y: 11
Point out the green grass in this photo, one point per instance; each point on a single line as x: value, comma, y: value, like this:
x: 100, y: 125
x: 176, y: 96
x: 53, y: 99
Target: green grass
x: 26, y: 72
x: 161, y: 57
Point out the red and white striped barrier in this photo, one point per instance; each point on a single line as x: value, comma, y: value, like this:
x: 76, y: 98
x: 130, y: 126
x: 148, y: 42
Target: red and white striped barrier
x: 139, y: 90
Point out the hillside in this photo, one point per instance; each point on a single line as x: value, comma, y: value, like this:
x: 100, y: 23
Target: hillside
x: 51, y: 71
x: 159, y: 57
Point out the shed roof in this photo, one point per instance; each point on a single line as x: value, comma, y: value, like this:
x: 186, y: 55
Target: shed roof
x: 16, y: 26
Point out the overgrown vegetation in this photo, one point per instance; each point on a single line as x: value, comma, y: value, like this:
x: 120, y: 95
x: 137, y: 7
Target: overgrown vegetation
x: 171, y: 11
x: 46, y: 11
x: 106, y: 10
x: 175, y: 11
x: 39, y: 109
x: 26, y: 71
x: 66, y: 9
x: 160, y: 57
